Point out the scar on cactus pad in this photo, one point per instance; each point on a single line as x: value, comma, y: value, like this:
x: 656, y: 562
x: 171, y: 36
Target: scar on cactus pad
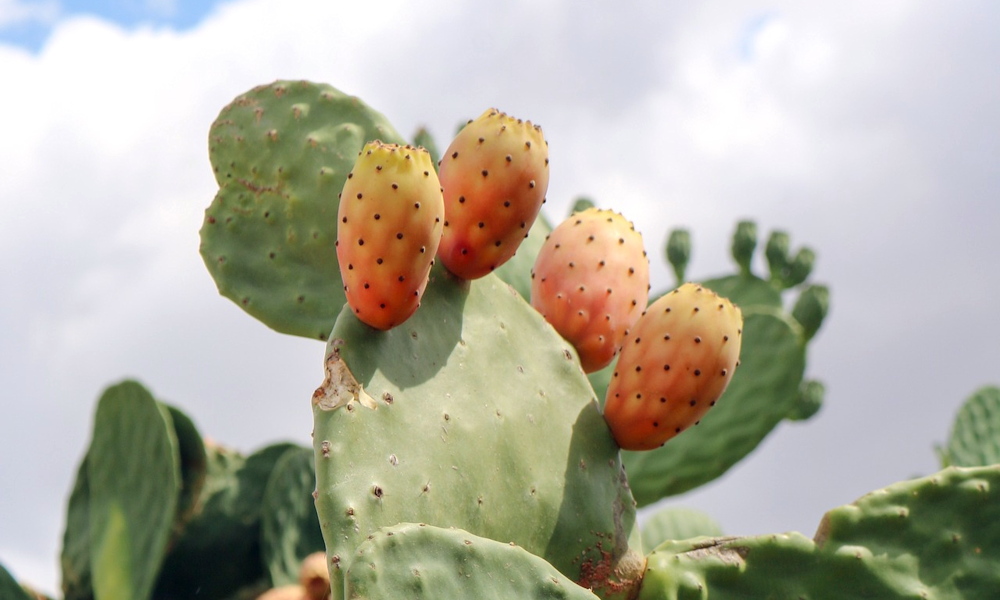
x: 674, y: 366
x: 388, y: 230
x: 495, y: 174
x: 591, y: 282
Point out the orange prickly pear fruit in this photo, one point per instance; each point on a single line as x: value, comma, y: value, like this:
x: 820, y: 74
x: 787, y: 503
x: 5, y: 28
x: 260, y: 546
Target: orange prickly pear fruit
x: 388, y: 229
x: 591, y: 282
x: 495, y: 174
x: 674, y: 365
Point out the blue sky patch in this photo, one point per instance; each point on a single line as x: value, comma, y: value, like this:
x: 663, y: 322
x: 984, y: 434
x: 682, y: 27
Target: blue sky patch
x: 28, y: 23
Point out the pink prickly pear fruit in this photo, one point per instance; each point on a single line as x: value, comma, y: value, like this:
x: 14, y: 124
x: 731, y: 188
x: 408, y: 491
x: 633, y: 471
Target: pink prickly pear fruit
x: 591, y: 282
x: 495, y: 174
x: 388, y: 228
x: 675, y: 364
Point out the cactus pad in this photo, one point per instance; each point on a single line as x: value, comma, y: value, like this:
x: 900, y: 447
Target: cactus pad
x: 677, y: 523
x: 134, y: 482
x: 473, y: 414
x: 975, y: 435
x: 281, y: 154
x: 933, y: 537
x: 289, y: 526
x: 425, y: 562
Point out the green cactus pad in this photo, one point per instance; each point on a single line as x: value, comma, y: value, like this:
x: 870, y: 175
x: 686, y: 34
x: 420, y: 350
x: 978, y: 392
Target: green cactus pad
x: 809, y: 402
x: 74, y: 559
x: 218, y: 554
x: 484, y: 421
x: 935, y: 537
x: 762, y: 392
x: 11, y: 590
x: 743, y: 245
x: 193, y: 461
x: 517, y: 270
x: 677, y: 523
x: 975, y: 434
x: 746, y: 291
x: 678, y: 253
x: 811, y: 309
x: 134, y: 482
x: 425, y: 140
x: 289, y: 525
x: 281, y: 154
x: 421, y: 561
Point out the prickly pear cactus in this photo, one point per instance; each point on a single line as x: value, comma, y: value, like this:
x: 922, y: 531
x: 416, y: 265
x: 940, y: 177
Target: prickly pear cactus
x: 677, y: 523
x: 975, y: 434
x: 766, y: 389
x: 134, y: 482
x: 419, y: 561
x: 156, y: 513
x: 281, y: 153
x: 933, y: 537
x: 472, y: 414
x: 9, y: 588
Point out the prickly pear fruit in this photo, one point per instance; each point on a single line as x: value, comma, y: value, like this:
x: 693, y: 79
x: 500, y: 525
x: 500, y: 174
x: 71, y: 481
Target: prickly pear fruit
x: 388, y: 229
x: 495, y: 174
x: 591, y: 282
x: 675, y: 363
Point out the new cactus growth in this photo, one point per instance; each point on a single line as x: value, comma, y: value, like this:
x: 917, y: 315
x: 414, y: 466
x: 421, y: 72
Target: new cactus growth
x: 591, y: 282
x: 388, y: 230
x: 495, y: 174
x: 679, y: 252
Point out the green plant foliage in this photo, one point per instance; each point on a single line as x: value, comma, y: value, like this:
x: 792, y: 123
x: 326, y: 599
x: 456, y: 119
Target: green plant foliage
x: 9, y: 588
x: 934, y: 537
x: 281, y: 153
x: 677, y: 523
x: 417, y: 561
x: 133, y: 483
x: 74, y: 559
x: 484, y: 421
x: 809, y: 402
x: 975, y: 434
x: 424, y: 140
x: 218, y: 555
x: 193, y: 463
x: 678, y: 253
x: 517, y: 270
x: 289, y: 526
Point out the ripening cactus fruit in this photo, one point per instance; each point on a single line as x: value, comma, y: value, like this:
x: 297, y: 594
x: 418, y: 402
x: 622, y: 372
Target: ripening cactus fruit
x: 591, y: 283
x: 495, y: 174
x: 388, y: 229
x: 675, y: 363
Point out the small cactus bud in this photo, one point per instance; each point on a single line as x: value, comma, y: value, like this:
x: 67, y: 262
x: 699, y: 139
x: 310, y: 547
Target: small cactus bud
x: 809, y: 401
x: 800, y: 267
x: 581, y: 204
x: 744, y: 244
x: 777, y: 257
x: 679, y: 253
x: 423, y: 139
x: 811, y: 308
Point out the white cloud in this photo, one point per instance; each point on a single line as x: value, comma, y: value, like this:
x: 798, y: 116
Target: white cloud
x: 862, y: 128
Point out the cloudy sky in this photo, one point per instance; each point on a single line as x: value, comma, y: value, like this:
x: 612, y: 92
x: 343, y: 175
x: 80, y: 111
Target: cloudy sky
x: 867, y: 130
